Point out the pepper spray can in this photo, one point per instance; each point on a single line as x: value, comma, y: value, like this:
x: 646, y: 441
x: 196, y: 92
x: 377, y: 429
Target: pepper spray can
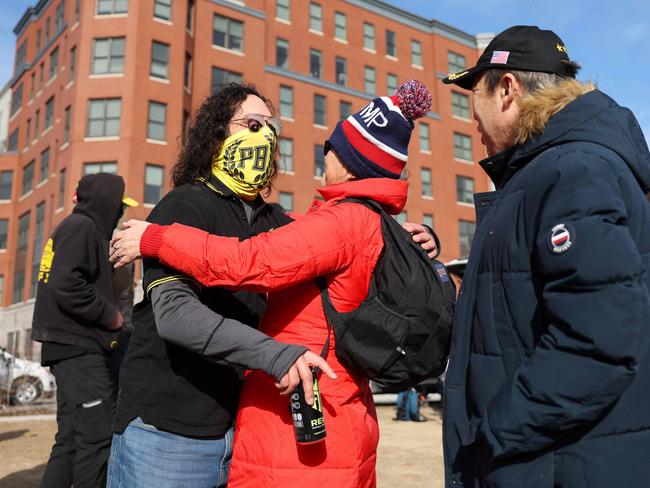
x: 308, y: 420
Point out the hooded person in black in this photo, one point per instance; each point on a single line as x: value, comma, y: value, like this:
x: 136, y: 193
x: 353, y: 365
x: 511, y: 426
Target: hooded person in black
x: 76, y: 317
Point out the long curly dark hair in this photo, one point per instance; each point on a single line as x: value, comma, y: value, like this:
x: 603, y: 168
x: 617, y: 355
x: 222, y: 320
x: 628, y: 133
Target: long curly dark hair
x: 208, y: 130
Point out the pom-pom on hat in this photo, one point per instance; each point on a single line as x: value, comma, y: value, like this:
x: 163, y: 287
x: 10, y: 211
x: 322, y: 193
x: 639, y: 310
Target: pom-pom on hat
x: 373, y: 143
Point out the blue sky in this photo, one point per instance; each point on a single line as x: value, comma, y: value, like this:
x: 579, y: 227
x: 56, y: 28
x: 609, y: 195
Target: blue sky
x: 610, y: 39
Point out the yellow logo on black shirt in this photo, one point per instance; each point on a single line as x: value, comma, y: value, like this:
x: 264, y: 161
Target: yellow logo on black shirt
x: 46, y: 262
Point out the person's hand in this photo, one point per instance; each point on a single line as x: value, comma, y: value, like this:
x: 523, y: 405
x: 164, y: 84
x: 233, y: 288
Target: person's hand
x: 117, y: 322
x: 300, y: 371
x: 422, y: 236
x: 125, y: 245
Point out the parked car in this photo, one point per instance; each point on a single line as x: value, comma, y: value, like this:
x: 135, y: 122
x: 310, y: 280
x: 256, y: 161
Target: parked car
x: 22, y: 381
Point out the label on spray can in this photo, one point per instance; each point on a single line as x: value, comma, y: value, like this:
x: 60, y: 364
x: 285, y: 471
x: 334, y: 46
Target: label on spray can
x: 308, y: 420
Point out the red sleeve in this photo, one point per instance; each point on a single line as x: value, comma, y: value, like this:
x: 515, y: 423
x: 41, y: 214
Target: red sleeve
x: 318, y: 244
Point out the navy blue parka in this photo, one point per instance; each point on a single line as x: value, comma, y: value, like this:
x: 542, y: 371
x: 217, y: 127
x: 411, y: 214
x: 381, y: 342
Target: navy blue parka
x: 549, y: 378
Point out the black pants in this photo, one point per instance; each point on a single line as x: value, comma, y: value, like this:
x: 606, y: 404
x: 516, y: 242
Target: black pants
x: 85, y: 408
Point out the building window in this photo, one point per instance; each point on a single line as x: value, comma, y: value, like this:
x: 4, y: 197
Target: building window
x: 37, y: 250
x: 23, y: 231
x: 187, y: 71
x: 286, y: 102
x: 456, y: 62
x: 464, y: 189
x: 370, y: 80
x: 108, y: 56
x: 315, y: 62
x: 38, y: 41
x: 159, y: 60
x: 17, y: 99
x: 315, y: 17
x: 341, y: 66
x: 59, y: 17
x: 401, y: 217
x: 62, y: 188
x: 345, y: 110
x: 28, y: 131
x: 283, y: 9
x: 228, y: 33
x: 4, y: 231
x: 45, y: 164
x: 424, y: 137
x: 104, y: 117
x: 153, y: 183
x: 162, y: 9
x: 157, y: 121
x: 221, y: 77
x: 111, y: 7
x: 21, y: 54
x: 6, y: 184
x: 460, y: 105
x: 391, y: 44
x: 40, y: 76
x: 391, y: 83
x: 49, y: 113
x: 320, y: 110
x: 76, y: 10
x: 427, y: 219
x: 189, y: 16
x: 37, y: 122
x: 466, y: 233
x: 47, y: 29
x: 73, y: 62
x: 425, y: 176
x: 416, y: 53
x: 286, y: 155
x: 340, y: 26
x: 369, y: 36
x: 12, y: 142
x: 319, y: 160
x: 28, y: 178
x: 462, y: 147
x: 282, y: 53
x: 32, y: 89
x: 286, y: 201
x: 66, y: 125
x: 19, y: 284
x: 109, y: 167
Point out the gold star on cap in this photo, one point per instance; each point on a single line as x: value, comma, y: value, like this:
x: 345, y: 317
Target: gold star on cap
x: 561, y: 48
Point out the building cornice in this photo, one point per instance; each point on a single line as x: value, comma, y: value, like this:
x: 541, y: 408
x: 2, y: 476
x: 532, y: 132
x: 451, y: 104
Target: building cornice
x: 31, y: 14
x: 415, y: 21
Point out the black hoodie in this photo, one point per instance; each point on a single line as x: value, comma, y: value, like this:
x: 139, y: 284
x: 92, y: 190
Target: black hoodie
x: 75, y: 301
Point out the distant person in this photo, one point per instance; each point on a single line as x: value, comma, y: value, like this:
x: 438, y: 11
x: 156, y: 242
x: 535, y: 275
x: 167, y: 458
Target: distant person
x: 77, y: 319
x: 549, y: 378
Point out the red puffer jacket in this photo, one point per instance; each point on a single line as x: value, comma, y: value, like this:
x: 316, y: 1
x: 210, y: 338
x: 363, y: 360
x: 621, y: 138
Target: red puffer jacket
x: 343, y: 243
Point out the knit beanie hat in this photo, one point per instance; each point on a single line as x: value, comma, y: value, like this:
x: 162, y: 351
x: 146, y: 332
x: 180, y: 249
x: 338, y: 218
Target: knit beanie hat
x: 373, y: 143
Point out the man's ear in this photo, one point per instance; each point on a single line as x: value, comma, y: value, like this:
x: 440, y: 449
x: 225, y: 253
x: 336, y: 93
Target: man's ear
x: 508, y: 90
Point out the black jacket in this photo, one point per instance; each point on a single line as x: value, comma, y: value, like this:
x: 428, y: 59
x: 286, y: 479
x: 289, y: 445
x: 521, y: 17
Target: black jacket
x: 548, y: 383
x: 75, y: 300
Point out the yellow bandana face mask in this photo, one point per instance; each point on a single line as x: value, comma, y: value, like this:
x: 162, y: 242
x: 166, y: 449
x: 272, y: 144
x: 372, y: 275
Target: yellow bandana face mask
x: 245, y: 162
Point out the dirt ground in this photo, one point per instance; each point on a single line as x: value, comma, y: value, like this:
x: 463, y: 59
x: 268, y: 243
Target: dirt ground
x: 410, y: 453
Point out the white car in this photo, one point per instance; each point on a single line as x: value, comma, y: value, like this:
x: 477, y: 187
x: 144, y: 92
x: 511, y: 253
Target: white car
x: 24, y: 381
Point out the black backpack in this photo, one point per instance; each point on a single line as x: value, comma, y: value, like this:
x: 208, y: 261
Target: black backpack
x: 401, y: 333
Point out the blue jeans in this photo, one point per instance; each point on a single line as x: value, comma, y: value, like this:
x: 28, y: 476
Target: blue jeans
x: 145, y: 457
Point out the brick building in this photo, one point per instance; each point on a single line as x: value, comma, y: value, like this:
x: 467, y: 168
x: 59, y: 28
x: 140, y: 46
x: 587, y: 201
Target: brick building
x: 108, y: 85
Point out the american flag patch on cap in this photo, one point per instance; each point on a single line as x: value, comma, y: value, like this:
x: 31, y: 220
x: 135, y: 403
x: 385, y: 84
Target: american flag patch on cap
x: 500, y: 57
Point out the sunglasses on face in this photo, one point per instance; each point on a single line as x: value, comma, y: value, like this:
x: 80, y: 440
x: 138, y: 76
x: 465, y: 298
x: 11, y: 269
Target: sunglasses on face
x: 255, y: 122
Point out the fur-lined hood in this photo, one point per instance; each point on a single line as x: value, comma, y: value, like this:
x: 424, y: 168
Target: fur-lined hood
x: 573, y: 112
